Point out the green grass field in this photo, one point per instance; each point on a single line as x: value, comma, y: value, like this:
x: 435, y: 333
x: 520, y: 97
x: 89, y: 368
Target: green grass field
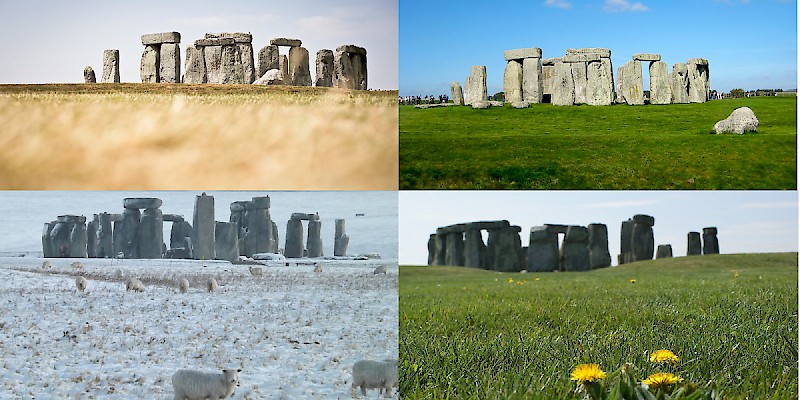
x: 609, y: 147
x: 472, y: 334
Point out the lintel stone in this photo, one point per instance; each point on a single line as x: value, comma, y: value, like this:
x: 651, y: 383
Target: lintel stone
x: 602, y: 52
x: 158, y: 38
x: 647, y: 57
x: 518, y: 54
x: 551, y: 61
x: 286, y: 42
x: 214, y: 42
x: 578, y: 57
x: 697, y: 61
x: 238, y: 37
x: 351, y: 48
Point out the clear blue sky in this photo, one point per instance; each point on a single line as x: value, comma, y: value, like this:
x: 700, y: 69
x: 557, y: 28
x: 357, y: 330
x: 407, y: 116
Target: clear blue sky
x: 748, y: 221
x: 48, y: 41
x: 750, y: 44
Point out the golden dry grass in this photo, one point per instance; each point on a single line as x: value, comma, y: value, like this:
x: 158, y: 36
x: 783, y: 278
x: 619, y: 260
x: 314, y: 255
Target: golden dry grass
x: 196, y: 137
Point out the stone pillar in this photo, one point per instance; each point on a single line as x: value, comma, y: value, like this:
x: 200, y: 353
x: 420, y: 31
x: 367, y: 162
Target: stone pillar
x: 314, y: 239
x: 47, y: 244
x: 231, y: 71
x: 710, y: 242
x: 226, y: 241
x: 149, y: 66
x: 340, y: 240
x: 159, y: 59
x: 577, y: 65
x: 563, y: 85
x: 698, y: 80
x: 474, y: 248
x: 294, y: 239
x: 440, y: 258
x: 456, y: 94
x: 512, y: 81
x: 212, y: 52
x: 619, y: 98
x: 299, y: 73
x: 151, y: 236
x: 169, y: 70
x: 91, y: 235
x: 104, y: 247
x: 625, y: 240
x: 180, y: 236
x: 548, y: 78
x: 324, y: 73
x: 664, y: 251
x: 454, y: 251
x: 475, y: 87
x: 78, y: 237
x: 88, y: 75
x: 350, y: 67
x: 283, y: 67
x: 694, y: 247
x: 129, y: 233
x: 542, y: 250
x: 118, y: 238
x: 111, y: 66
x: 632, y: 86
x: 259, y: 226
x: 599, y: 256
x: 504, y: 248
x: 203, y: 228
x: 642, y: 241
x: 274, y: 242
x: 269, y: 58
x: 575, y: 249
x: 532, y: 79
x: 680, y: 83
x: 59, y: 238
x: 195, y: 65
x: 600, y: 82
x: 431, y: 248
x: 239, y: 218
x: 660, y: 84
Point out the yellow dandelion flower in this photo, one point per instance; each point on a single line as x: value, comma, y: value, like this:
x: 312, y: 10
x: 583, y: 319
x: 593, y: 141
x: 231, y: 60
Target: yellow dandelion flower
x: 521, y: 283
x: 660, y: 356
x: 661, y: 379
x: 510, y: 280
x: 735, y: 274
x: 538, y: 279
x: 632, y: 281
x: 587, y: 373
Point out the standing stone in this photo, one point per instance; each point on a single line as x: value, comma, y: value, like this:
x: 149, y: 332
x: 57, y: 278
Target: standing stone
x: 626, y: 238
x: 324, y: 74
x: 299, y: 73
x: 231, y: 71
x: 151, y: 233
x: 710, y: 242
x: 195, y: 65
x: 169, y: 63
x: 149, y: 66
x: 47, y: 244
x: 504, y: 249
x: 698, y: 80
x: 475, y: 87
x: 88, y: 75
x: 59, y: 239
x: 343, y: 70
x: 456, y: 94
x: 680, y: 83
x: 475, y: 252
x: 664, y: 251
x: 259, y: 226
x: 203, y: 228
x: 104, y: 237
x: 78, y: 239
x: 283, y: 67
x: 118, y: 238
x: 599, y: 255
x: 543, y: 250
x: 563, y: 85
x: 91, y: 233
x: 111, y: 66
x: 213, y: 56
x: 274, y: 242
x: 694, y: 247
x: 532, y: 85
x: 226, y: 241
x: 340, y: 239
x: 619, y: 98
x: 180, y: 236
x: 440, y: 256
x: 268, y: 58
x: 512, y: 81
x: 599, y: 83
x: 454, y: 251
x: 578, y: 70
x: 294, y: 239
x: 642, y: 241
x: 575, y: 249
x: 431, y: 247
x: 314, y: 239
x: 548, y: 78
x: 248, y: 62
x: 660, y: 84
x: 129, y: 233
x: 632, y: 91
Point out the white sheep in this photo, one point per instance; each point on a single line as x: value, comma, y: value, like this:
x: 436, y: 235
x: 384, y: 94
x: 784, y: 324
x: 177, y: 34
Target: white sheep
x: 77, y: 265
x: 184, y: 285
x: 370, y: 374
x: 196, y: 385
x: 256, y: 271
x: 380, y: 270
x: 212, y: 285
x: 317, y: 267
x: 134, y: 284
x: 80, y: 283
x: 47, y: 265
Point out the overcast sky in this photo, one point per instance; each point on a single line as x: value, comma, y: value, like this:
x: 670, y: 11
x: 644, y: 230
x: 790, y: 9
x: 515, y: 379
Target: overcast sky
x: 748, y: 221
x: 749, y: 44
x: 52, y: 41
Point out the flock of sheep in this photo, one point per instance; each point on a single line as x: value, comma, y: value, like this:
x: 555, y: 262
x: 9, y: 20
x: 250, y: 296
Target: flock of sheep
x: 198, y: 385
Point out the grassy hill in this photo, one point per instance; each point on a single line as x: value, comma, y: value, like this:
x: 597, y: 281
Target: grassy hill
x: 473, y: 334
x: 609, y: 147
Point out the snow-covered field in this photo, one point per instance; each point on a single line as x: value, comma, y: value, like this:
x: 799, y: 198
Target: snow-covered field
x: 294, y: 333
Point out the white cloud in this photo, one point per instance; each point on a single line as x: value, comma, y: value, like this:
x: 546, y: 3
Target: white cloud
x: 623, y: 6
x: 558, y: 4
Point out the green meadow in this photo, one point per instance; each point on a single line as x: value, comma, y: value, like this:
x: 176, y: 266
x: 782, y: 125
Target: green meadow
x: 601, y: 147
x: 473, y: 334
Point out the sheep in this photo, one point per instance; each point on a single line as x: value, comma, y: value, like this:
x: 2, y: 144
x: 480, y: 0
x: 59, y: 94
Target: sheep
x: 380, y: 270
x: 256, y: 271
x: 212, y: 285
x: 80, y: 283
x: 196, y: 385
x: 47, y: 265
x: 119, y: 274
x: 184, y: 285
x: 134, y: 284
x: 370, y: 374
x: 317, y: 267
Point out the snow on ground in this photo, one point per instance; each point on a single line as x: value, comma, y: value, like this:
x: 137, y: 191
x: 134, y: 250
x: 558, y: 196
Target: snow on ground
x: 294, y: 333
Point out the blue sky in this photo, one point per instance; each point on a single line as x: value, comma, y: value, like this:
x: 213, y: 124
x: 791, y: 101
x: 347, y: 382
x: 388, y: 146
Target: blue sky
x: 48, y: 41
x: 749, y: 43
x: 748, y: 221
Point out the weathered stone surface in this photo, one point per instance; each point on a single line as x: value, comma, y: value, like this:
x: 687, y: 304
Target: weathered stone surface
x: 644, y: 219
x: 697, y: 61
x: 305, y: 216
x: 599, y: 51
x: 741, y: 119
x: 575, y: 249
x: 520, y: 54
x: 203, y: 228
x: 226, y: 241
x: 647, y: 57
x: 481, y: 104
x: 283, y: 67
x: 88, y: 75
x: 47, y: 245
x: 258, y: 203
x: 475, y: 87
x: 563, y: 85
x: 294, y: 239
x: 548, y: 82
x: 170, y: 63
x: 71, y: 219
x: 129, y: 234
x: 454, y: 250
x: 551, y: 61
x: 248, y: 63
x: 258, y: 226
x: 520, y: 104
x: 213, y: 56
x: 214, y: 42
x: 710, y: 241
x: 581, y: 58
x: 599, y: 255
x: 580, y: 81
x: 698, y: 81
x: 141, y: 202
x: 351, y: 48
x: 543, y: 252
x: 151, y: 233
x: 626, y: 237
x: 195, y: 65
x: 599, y: 83
x: 664, y: 251
x: 111, y: 66
x: 180, y: 236
x: 456, y: 94
x: 660, y: 83
x: 231, y: 71
x: 431, y: 248
x: 314, y: 239
x: 694, y: 246
x: 642, y: 241
x: 340, y: 239
x: 271, y: 77
x: 286, y: 42
x: 274, y: 242
x: 158, y: 38
x: 299, y: 72
x: 512, y: 81
x: 504, y: 248
x: 475, y: 252
x: 324, y: 71
x: 532, y: 85
x: 618, y: 97
x: 59, y: 239
x: 104, y: 240
x: 680, y: 83
x: 268, y: 58
x: 78, y: 240
x: 632, y: 91
x: 238, y: 37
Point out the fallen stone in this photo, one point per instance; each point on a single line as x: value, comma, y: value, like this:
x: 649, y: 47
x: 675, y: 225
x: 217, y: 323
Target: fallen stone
x: 519, y: 54
x: 495, y: 103
x: 647, y: 57
x: 88, y: 75
x: 158, y: 38
x: 271, y: 77
x: 512, y: 82
x: 741, y: 120
x: 481, y: 104
x: 111, y: 66
x: 520, y: 104
x: 286, y: 42
x: 456, y: 94
x: 660, y: 83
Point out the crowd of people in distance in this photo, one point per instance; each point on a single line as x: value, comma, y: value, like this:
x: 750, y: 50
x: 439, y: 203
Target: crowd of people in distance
x: 414, y: 100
